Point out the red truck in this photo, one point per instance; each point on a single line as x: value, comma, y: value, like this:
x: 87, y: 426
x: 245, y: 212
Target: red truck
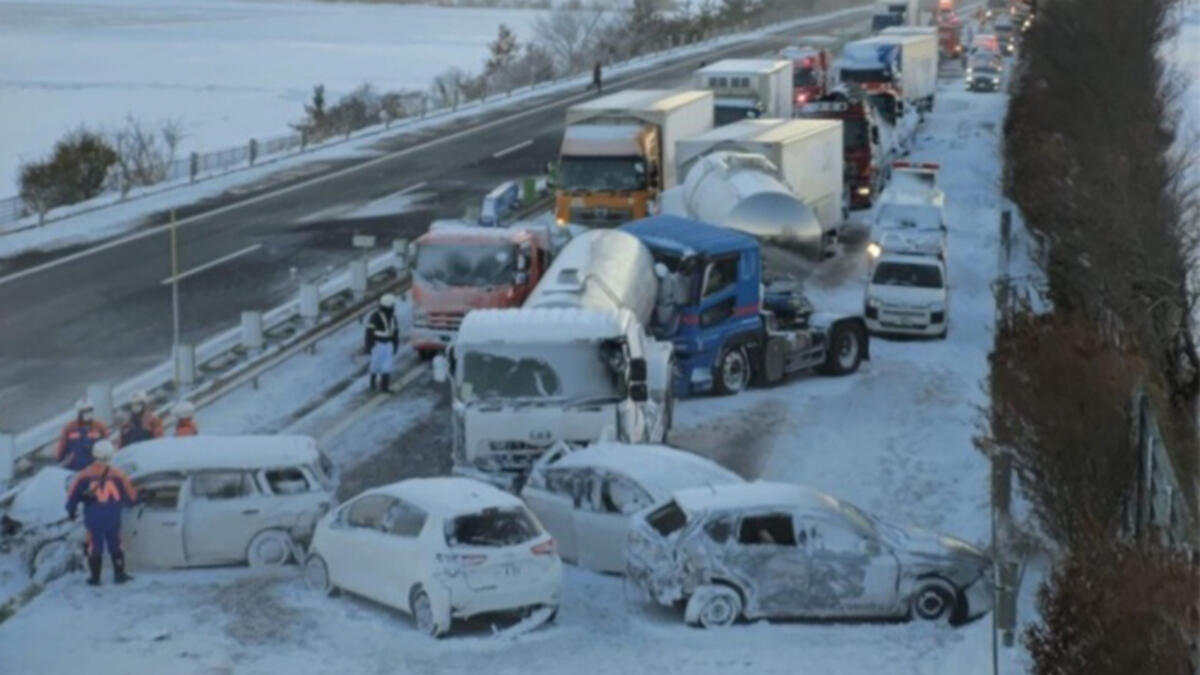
x: 812, y: 73
x: 458, y: 267
x: 868, y: 140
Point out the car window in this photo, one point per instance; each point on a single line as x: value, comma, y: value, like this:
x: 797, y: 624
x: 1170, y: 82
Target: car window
x: 159, y: 492
x: 288, y: 481
x: 667, y: 518
x: 767, y: 529
x: 826, y: 535
x: 507, y: 526
x: 404, y: 519
x: 369, y: 511
x: 621, y: 495
x: 562, y: 482
x: 721, y: 274
x: 719, y: 529
x: 219, y: 485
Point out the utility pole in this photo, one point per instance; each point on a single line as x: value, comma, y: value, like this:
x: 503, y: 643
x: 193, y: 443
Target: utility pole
x: 174, y: 284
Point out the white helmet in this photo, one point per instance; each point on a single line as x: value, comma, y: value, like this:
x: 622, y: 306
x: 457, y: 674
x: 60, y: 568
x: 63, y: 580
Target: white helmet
x: 137, y: 398
x: 103, y: 450
x: 388, y: 300
x: 184, y: 409
x: 83, y: 405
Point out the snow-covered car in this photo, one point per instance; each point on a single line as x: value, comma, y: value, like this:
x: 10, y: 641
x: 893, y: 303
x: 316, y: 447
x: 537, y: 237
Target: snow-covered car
x: 585, y: 496
x: 909, y: 295
x: 773, y: 550
x: 908, y: 228
x: 438, y: 549
x: 34, y: 525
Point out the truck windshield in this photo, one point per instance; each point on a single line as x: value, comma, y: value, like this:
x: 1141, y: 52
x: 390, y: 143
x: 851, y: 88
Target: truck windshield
x: 914, y: 275
x: 466, y: 264
x: 575, y: 371
x: 804, y: 77
x: 866, y: 75
x: 854, y: 133
x: 603, y: 174
x: 881, y: 21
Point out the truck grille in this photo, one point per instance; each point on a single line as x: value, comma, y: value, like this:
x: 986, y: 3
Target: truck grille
x: 443, y: 320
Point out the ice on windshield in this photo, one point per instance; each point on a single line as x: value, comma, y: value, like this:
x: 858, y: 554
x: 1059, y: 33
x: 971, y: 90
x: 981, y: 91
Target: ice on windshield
x: 466, y: 264
x: 914, y: 275
x: 603, y: 174
x: 571, y: 372
x: 492, y: 527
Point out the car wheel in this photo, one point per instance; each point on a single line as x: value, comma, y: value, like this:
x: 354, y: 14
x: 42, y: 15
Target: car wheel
x: 933, y: 601
x: 845, y: 350
x: 713, y: 607
x: 421, y: 608
x: 269, y: 548
x: 316, y: 575
x: 733, y: 371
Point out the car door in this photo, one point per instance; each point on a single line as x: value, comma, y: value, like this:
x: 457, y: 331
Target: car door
x: 554, y: 503
x: 769, y: 559
x: 355, y: 545
x: 224, y: 512
x: 602, y: 521
x: 853, y: 574
x: 398, y: 552
x: 152, y: 530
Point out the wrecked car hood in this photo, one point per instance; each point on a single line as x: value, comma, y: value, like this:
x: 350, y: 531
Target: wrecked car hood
x: 41, y: 500
x: 919, y: 544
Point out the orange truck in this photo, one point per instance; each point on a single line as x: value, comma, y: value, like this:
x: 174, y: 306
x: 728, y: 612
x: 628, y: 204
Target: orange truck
x: 457, y: 267
x: 618, y: 153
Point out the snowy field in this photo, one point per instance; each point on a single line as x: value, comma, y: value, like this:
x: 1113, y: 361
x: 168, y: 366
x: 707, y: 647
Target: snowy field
x: 230, y: 70
x: 895, y: 438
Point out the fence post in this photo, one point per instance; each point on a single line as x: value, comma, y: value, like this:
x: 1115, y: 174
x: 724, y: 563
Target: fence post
x: 253, y: 150
x: 185, y: 366
x: 101, y: 398
x: 358, y: 278
x: 310, y: 303
x: 193, y: 166
x: 252, y: 330
x: 8, y: 458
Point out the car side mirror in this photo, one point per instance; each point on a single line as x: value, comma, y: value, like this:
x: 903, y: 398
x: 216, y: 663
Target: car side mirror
x: 637, y: 370
x: 441, y: 369
x: 638, y: 392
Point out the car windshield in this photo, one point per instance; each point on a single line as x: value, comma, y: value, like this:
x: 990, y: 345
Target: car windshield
x: 602, y: 174
x: 466, y: 264
x: 914, y: 275
x: 854, y: 133
x: 492, y: 527
x: 908, y: 216
x: 537, y: 373
x: 804, y: 77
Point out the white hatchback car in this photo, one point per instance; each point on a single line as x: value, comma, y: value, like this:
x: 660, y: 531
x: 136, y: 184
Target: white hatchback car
x: 439, y: 549
x: 586, y: 496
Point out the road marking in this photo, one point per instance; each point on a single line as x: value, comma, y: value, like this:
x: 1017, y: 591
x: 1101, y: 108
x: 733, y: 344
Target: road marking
x: 684, y: 62
x: 211, y: 264
x: 508, y: 151
x: 334, y: 212
x: 347, y: 421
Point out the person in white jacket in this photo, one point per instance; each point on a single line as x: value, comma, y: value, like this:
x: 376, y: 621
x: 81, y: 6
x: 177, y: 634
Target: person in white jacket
x: 382, y: 340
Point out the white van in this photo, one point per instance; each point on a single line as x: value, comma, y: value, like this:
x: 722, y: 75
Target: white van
x: 215, y: 500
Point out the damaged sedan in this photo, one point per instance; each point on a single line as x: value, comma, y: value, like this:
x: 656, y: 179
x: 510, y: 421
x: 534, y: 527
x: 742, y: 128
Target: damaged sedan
x: 773, y: 550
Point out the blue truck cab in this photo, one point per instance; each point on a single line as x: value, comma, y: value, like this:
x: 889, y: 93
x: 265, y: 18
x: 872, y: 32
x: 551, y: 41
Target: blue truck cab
x: 726, y: 328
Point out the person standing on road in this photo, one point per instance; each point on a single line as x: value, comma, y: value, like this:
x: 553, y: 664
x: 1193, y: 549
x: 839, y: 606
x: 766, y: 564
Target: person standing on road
x: 185, y: 423
x: 597, y: 79
x: 382, y: 341
x: 142, y: 424
x: 78, y: 436
x: 103, y: 490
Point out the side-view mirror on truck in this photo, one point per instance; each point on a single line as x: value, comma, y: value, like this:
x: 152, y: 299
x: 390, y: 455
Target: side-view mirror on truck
x: 637, y: 370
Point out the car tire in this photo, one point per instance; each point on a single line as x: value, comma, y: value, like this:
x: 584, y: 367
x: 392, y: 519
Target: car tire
x: 713, y: 606
x: 268, y: 549
x: 845, y: 350
x: 316, y: 575
x: 733, y: 371
x: 934, y: 601
x: 421, y: 609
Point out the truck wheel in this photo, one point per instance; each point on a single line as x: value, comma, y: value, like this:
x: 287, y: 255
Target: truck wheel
x: 733, y: 371
x: 844, y: 351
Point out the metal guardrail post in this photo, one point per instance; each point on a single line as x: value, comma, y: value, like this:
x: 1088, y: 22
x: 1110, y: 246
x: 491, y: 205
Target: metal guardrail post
x: 310, y: 303
x: 358, y: 278
x: 185, y: 366
x: 252, y: 330
x: 101, y: 398
x: 8, y: 457
x: 193, y: 166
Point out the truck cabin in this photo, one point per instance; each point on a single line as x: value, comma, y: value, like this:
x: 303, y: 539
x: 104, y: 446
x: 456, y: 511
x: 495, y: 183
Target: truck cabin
x: 735, y: 98
x: 465, y: 257
x: 870, y: 65
x: 808, y: 73
x: 613, y: 158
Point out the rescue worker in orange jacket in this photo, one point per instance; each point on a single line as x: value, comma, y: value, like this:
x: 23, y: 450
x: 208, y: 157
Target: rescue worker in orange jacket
x: 103, y: 490
x: 142, y: 424
x: 185, y: 423
x: 78, y: 436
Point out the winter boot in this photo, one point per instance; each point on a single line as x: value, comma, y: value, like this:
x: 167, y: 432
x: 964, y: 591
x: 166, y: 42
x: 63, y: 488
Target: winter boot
x: 94, y: 562
x: 374, y: 380
x: 119, y: 576
x: 385, y: 384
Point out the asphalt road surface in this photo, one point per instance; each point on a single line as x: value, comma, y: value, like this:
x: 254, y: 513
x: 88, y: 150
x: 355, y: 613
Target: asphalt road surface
x: 106, y: 315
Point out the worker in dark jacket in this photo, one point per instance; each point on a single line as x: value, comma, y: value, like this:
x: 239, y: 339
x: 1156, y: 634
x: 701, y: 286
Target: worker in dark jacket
x: 103, y: 490
x: 597, y: 79
x: 382, y: 341
x: 78, y: 436
x: 142, y: 424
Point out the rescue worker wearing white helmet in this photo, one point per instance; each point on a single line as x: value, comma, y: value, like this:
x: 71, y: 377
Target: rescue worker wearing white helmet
x: 185, y: 424
x: 78, y: 436
x: 141, y: 424
x: 381, y: 342
x: 104, y: 490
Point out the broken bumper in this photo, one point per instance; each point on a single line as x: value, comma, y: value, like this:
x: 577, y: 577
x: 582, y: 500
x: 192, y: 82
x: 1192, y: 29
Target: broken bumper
x: 979, y: 597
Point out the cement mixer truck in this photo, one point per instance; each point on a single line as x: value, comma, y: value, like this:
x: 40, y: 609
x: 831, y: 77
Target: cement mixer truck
x: 574, y: 364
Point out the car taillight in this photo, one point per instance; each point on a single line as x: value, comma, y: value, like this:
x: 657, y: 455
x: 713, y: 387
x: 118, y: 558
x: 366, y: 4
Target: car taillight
x: 544, y: 548
x: 462, y: 559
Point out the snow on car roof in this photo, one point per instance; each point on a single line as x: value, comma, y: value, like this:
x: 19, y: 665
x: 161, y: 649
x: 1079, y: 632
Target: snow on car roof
x: 195, y: 453
x: 484, y: 326
x: 659, y: 469
x: 752, y: 495
x: 448, y: 496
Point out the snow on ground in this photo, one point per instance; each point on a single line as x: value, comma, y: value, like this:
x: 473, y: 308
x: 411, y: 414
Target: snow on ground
x: 230, y: 70
x: 895, y: 438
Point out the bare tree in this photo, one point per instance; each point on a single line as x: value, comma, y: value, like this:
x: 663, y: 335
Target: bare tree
x: 569, y: 34
x: 144, y: 154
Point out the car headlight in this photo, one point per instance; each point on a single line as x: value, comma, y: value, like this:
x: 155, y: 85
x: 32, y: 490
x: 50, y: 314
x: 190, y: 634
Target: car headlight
x: 863, y: 190
x: 995, y: 80
x: 874, y: 250
x: 872, y: 303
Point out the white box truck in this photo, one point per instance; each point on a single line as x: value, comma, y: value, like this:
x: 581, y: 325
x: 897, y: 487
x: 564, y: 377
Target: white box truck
x: 748, y: 88
x: 618, y: 153
x: 918, y: 46
x: 906, y: 64
x: 807, y: 152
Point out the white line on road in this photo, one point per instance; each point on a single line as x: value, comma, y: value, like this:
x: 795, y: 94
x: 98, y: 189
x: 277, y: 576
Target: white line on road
x: 508, y: 151
x: 681, y: 63
x: 342, y: 209
x: 211, y: 264
x: 367, y: 407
